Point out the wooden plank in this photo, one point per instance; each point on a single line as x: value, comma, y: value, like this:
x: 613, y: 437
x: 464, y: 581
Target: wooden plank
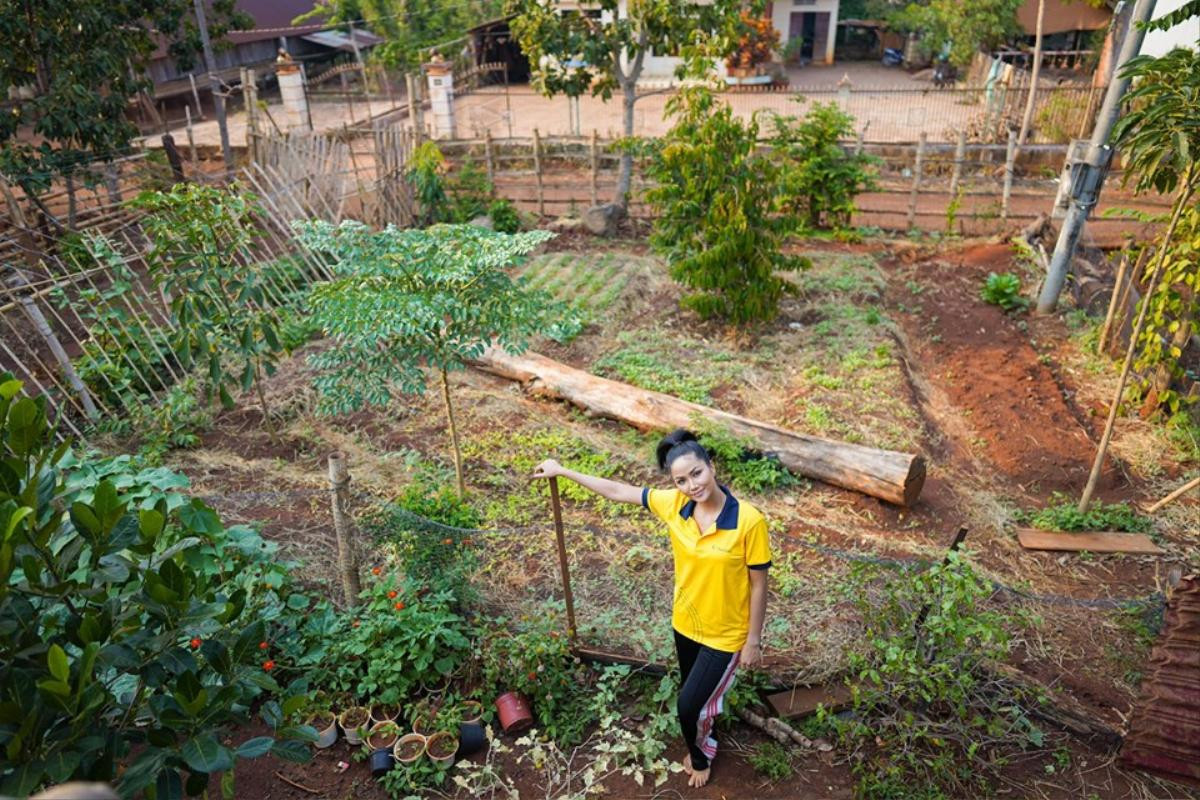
x: 1093, y: 541
x: 802, y: 700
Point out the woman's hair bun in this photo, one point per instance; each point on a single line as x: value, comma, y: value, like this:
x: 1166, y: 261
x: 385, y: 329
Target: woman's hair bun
x: 676, y: 443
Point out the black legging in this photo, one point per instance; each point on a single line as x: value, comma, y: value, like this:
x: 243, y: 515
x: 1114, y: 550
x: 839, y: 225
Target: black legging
x: 705, y: 675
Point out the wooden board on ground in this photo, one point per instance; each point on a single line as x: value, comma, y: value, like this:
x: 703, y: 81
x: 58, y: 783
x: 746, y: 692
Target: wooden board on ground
x: 886, y: 474
x: 1093, y: 542
x: 803, y: 700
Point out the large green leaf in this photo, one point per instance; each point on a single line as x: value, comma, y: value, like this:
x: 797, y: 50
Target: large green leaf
x: 253, y: 748
x: 205, y: 754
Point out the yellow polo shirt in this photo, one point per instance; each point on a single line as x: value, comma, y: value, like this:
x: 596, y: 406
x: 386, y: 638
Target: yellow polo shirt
x: 712, y: 586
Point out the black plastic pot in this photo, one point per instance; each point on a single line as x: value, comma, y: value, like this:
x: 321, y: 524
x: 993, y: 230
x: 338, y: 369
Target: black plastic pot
x: 471, y: 739
x: 382, y: 762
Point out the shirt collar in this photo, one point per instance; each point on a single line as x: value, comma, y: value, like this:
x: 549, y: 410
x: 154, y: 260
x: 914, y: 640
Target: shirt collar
x: 727, y: 520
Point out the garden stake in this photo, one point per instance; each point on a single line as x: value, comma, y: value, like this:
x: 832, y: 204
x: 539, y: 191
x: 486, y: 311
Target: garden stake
x: 562, y: 559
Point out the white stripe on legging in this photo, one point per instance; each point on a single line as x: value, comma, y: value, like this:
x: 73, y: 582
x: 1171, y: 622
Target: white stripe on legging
x: 708, y: 714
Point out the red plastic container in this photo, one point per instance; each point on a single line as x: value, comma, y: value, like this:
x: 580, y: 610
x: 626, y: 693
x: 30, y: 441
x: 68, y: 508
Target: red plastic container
x: 514, y: 712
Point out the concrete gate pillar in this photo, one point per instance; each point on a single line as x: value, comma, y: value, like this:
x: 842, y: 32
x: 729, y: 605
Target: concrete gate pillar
x: 291, y: 87
x: 441, y: 97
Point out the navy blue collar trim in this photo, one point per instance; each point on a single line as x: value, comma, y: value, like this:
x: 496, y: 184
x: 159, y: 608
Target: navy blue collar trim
x: 727, y: 520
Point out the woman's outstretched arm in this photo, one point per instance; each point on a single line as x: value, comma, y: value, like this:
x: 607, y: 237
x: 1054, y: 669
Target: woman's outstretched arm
x: 612, y: 490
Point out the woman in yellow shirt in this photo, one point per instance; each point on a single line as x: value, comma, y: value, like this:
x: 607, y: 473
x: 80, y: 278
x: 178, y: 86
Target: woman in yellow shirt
x: 721, y: 554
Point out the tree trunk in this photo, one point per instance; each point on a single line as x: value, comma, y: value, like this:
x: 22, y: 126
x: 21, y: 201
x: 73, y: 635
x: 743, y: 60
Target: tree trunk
x: 343, y: 529
x: 625, y: 174
x: 1031, y: 100
x: 262, y: 401
x: 458, y: 470
x: 895, y: 477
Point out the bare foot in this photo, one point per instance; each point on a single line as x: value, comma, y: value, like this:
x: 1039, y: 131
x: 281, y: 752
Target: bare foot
x: 699, y: 777
x: 686, y: 763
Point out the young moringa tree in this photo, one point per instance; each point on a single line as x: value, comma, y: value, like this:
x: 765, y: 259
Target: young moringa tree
x: 402, y: 301
x: 604, y: 50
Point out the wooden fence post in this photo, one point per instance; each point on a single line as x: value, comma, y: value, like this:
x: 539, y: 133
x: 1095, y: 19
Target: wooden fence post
x: 1112, y: 303
x: 414, y: 105
x: 191, y: 134
x: 594, y: 153
x: 918, y: 167
x: 487, y: 156
x: 960, y: 153
x: 343, y: 527
x: 537, y: 171
x: 1010, y: 157
x: 173, y: 158
x: 556, y: 506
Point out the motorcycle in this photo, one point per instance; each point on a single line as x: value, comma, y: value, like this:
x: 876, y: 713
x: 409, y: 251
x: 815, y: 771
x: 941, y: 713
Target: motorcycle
x: 892, y: 57
x: 944, y: 73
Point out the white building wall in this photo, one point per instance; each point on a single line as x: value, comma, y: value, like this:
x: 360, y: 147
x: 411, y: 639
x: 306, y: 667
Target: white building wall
x: 781, y: 18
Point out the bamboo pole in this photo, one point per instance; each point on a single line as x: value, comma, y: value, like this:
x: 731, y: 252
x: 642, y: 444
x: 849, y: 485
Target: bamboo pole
x: 487, y: 155
x: 1185, y: 193
x: 1131, y: 281
x: 1112, y: 303
x: 1010, y: 157
x: 1194, y: 483
x: 960, y: 152
x: 556, y: 507
x: 343, y: 528
x: 918, y: 167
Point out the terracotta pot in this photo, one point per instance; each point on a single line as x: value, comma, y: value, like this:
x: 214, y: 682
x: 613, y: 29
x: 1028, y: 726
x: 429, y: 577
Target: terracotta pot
x: 382, y: 712
x: 354, y: 722
x: 383, y: 735
x: 409, y: 748
x: 327, y: 729
x: 441, y: 747
x: 514, y: 712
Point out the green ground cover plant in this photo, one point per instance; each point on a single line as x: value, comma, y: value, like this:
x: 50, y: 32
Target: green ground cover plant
x: 1004, y: 290
x: 1062, y: 514
x: 931, y: 717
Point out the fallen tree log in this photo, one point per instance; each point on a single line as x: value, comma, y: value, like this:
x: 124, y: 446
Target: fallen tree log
x: 886, y: 474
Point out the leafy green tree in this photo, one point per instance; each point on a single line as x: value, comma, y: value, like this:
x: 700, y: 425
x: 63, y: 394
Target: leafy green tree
x: 83, y: 62
x: 965, y: 28
x: 602, y: 51
x: 405, y: 300
x: 824, y: 178
x: 1159, y: 140
x: 198, y: 238
x: 131, y: 623
x: 719, y: 204
x: 408, y: 26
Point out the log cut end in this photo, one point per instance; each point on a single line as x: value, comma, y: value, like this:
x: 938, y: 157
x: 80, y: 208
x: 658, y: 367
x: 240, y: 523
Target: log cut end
x: 914, y: 482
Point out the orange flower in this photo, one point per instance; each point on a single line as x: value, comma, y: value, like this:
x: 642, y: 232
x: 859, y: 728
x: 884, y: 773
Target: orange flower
x: 355, y: 624
x: 399, y: 605
x: 196, y: 643
x: 268, y: 665
x: 376, y: 571
x: 263, y: 645
x: 392, y: 594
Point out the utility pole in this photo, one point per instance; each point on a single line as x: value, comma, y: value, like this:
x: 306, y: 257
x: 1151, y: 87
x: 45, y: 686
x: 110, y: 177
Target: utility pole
x: 1087, y: 176
x: 214, y: 82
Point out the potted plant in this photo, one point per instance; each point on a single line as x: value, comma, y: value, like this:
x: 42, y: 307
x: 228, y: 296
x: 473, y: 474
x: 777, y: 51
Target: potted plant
x: 354, y: 723
x: 384, y: 712
x: 327, y: 730
x: 409, y: 748
x: 757, y: 42
x: 424, y: 722
x: 471, y: 711
x: 380, y: 741
x: 441, y: 747
x: 383, y: 735
x: 471, y: 738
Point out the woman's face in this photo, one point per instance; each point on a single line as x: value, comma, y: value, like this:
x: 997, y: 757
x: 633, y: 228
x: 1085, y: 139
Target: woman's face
x: 694, y: 477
